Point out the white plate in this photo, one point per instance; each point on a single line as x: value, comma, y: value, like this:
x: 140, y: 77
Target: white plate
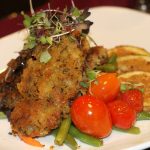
x: 112, y: 26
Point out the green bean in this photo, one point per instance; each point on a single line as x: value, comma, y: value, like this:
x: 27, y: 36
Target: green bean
x: 112, y: 59
x: 2, y: 115
x: 70, y: 141
x: 54, y: 132
x: 84, y: 137
x: 63, y: 131
x: 143, y: 115
x: 108, y: 67
x: 132, y: 130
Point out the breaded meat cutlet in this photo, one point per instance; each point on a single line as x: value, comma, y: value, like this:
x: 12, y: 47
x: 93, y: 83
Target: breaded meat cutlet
x: 47, y: 88
x: 9, y: 94
x: 40, y: 92
x: 96, y: 56
x: 43, y: 91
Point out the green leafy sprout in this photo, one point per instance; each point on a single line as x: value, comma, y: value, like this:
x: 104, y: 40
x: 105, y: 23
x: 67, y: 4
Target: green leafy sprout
x: 129, y: 86
x: 47, y: 27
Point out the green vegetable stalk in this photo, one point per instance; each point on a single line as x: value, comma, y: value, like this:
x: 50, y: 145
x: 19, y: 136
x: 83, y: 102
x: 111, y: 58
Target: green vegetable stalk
x: 69, y: 140
x: 143, y: 115
x: 108, y: 67
x: 63, y: 131
x: 84, y: 137
x: 2, y: 115
x: 132, y: 130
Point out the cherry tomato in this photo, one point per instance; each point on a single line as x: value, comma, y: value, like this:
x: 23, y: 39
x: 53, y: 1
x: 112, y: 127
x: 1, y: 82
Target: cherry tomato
x: 91, y: 116
x: 123, y: 116
x: 105, y: 87
x: 134, y: 98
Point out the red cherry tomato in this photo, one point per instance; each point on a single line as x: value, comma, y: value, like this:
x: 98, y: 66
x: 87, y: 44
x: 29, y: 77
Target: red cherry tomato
x: 91, y: 116
x: 134, y: 98
x: 105, y: 87
x: 123, y: 116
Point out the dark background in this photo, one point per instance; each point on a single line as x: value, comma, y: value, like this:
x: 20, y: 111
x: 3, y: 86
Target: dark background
x: 11, y: 20
x: 8, y: 6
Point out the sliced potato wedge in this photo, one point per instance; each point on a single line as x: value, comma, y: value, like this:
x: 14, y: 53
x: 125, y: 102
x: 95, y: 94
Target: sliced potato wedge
x: 124, y: 50
x: 133, y: 63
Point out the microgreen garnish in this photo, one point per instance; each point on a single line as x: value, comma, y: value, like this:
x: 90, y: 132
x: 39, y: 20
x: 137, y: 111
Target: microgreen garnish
x: 85, y: 14
x: 43, y: 40
x: 49, y: 40
x: 84, y: 84
x: 31, y: 7
x: 123, y: 87
x: 128, y: 86
x: 96, y: 82
x: 91, y: 74
x: 75, y: 12
x: 27, y: 20
x: 59, y: 28
x: 142, y: 90
x: 31, y: 42
x: 46, y: 40
x: 90, y: 38
x: 48, y: 26
x: 45, y: 57
x: 72, y: 38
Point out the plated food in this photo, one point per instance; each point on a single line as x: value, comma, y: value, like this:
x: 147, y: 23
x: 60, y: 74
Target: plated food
x: 133, y: 67
x: 81, y: 85
x: 124, y: 50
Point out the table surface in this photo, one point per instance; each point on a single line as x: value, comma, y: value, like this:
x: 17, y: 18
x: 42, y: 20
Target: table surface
x: 11, y: 24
